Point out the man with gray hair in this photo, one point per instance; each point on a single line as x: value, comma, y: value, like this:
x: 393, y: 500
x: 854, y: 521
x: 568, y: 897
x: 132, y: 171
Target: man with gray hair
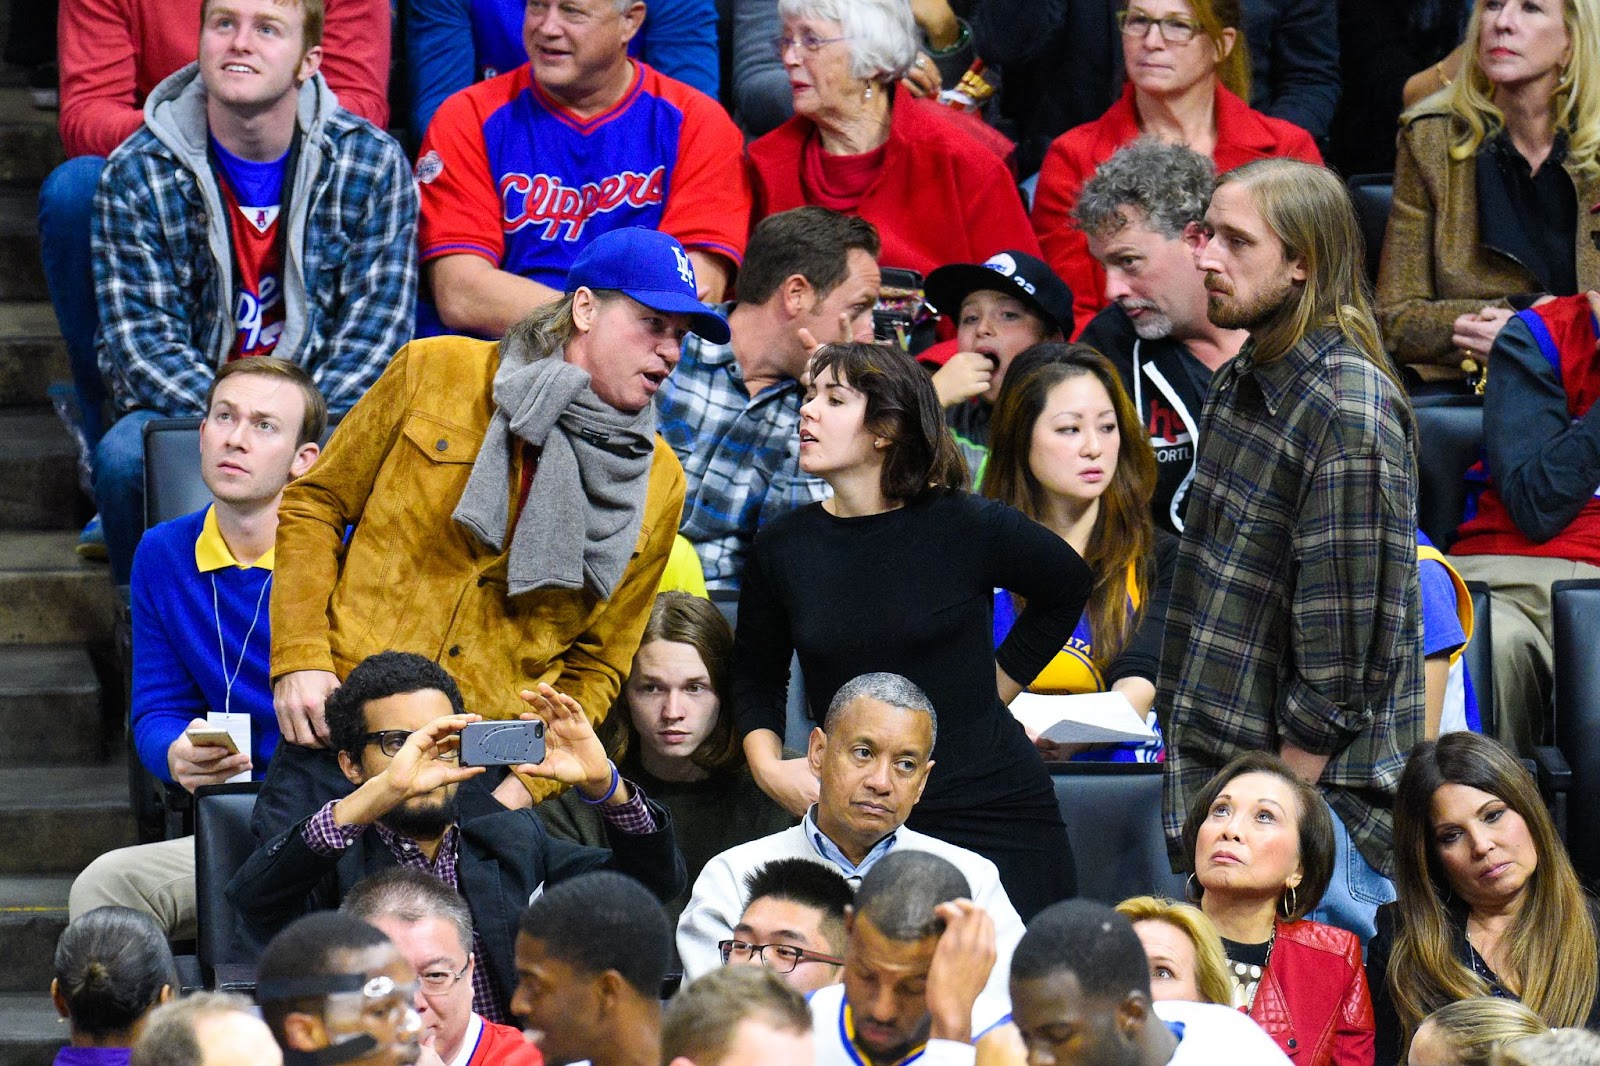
x: 1144, y: 215
x: 871, y: 758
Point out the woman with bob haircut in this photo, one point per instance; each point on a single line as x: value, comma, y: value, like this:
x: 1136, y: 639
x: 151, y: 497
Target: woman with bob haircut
x: 1489, y: 904
x: 1186, y: 957
x: 1068, y: 451
x: 1468, y: 1031
x: 1492, y: 188
x: 671, y: 730
x: 1188, y: 83
x: 1260, y: 840
x: 896, y: 572
x: 861, y: 144
x: 112, y: 968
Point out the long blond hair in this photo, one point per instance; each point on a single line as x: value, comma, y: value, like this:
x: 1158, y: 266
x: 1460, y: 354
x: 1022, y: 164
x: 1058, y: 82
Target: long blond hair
x: 1575, y: 104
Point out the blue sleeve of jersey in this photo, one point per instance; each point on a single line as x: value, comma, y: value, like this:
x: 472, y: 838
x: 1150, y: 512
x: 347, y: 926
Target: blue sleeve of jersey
x: 680, y: 41
x: 440, y: 55
x: 1441, y: 625
x: 1005, y: 616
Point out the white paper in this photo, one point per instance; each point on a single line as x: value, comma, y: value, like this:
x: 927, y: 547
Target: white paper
x: 1092, y: 718
x: 238, y: 726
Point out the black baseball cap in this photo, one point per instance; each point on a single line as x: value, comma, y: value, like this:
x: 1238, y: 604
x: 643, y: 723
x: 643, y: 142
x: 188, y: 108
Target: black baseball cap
x: 1014, y: 273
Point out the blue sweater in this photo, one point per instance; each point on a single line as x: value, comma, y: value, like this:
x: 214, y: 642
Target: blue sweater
x: 178, y: 674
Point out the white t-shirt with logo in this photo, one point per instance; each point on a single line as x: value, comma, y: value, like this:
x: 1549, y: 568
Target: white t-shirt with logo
x: 1212, y: 1034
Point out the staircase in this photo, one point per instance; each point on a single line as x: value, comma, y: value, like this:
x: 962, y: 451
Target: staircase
x: 63, y: 762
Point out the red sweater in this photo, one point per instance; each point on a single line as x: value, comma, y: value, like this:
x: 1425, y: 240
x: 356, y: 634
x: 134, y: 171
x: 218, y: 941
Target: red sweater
x: 1243, y: 135
x: 941, y: 197
x: 114, y: 52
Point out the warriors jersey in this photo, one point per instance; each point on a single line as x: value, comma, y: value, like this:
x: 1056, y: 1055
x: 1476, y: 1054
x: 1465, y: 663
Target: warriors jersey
x: 509, y: 174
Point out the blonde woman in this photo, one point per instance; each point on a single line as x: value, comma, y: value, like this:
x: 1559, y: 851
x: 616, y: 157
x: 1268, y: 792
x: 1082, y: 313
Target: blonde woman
x: 1186, y: 957
x: 1467, y: 1032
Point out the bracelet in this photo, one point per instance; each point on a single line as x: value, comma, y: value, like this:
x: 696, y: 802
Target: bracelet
x: 962, y: 40
x: 616, y: 779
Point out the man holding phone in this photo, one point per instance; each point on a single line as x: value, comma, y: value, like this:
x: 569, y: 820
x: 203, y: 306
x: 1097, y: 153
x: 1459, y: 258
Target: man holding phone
x: 396, y: 724
x: 200, y: 630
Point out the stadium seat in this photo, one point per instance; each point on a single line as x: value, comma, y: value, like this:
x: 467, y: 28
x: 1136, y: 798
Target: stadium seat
x: 1449, y: 441
x: 222, y: 843
x: 1372, y: 195
x: 172, y: 485
x: 1479, y: 655
x: 1576, y: 610
x: 1113, y: 817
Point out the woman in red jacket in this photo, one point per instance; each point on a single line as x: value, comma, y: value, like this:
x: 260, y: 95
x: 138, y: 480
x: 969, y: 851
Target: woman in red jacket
x: 1261, y: 842
x: 856, y: 144
x: 1188, y: 80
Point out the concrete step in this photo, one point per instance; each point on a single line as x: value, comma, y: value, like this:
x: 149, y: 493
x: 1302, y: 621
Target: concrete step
x: 30, y: 147
x: 32, y: 354
x: 50, y: 596
x: 21, y: 273
x: 33, y: 912
x: 30, y: 1032
x: 51, y: 684
x: 68, y: 816
x: 38, y: 471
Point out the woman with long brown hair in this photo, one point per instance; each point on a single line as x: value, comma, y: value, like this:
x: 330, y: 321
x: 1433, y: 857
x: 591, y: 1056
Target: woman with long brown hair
x: 1489, y: 903
x: 1068, y: 452
x: 896, y: 573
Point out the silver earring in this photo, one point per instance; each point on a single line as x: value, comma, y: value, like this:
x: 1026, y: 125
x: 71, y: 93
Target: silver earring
x: 1289, y: 902
x: 1189, y: 890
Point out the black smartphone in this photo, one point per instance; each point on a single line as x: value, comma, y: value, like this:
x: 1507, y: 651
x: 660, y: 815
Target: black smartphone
x: 502, y: 743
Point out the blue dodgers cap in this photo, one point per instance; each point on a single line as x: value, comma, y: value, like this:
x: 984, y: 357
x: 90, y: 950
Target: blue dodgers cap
x: 651, y: 267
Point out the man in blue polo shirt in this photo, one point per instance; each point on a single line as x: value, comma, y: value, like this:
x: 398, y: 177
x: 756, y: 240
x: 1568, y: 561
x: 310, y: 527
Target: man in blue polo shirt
x: 200, y: 630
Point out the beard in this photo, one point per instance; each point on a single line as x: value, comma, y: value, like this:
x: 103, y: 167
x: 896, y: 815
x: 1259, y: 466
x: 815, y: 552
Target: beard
x: 423, y: 818
x: 1153, y: 324
x: 1227, y: 311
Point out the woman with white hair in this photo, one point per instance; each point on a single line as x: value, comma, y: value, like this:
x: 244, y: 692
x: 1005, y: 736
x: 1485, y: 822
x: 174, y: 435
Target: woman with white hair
x: 860, y: 144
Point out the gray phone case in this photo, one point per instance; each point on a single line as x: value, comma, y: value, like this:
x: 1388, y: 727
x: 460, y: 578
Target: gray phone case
x: 502, y: 743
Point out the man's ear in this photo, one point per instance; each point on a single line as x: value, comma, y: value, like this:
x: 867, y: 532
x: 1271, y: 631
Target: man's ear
x: 310, y: 63
x: 1297, y: 269
x: 352, y: 769
x: 304, y: 1032
x: 304, y: 458
x: 1132, y: 1014
x: 632, y: 19
x: 610, y: 990
x: 584, y: 309
x: 814, y: 750
x: 927, y: 771
x: 798, y: 295
x: 1194, y: 235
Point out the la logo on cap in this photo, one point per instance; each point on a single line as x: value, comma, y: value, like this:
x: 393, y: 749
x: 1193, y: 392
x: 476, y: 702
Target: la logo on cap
x: 685, y: 268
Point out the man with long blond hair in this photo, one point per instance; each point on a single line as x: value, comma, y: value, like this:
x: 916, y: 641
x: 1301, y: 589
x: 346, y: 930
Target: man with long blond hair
x: 1293, y: 626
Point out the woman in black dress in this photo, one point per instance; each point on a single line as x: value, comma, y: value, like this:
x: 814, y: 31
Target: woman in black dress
x: 897, y: 573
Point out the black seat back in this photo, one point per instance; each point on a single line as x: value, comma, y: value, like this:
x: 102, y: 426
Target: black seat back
x: 172, y: 484
x: 222, y: 843
x: 1113, y: 816
x: 1449, y: 441
x: 1576, y: 610
x: 1479, y: 655
x: 1373, y: 195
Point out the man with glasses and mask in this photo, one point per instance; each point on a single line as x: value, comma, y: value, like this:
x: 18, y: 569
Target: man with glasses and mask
x: 335, y: 991
x: 793, y: 924
x: 431, y: 926
x: 395, y: 724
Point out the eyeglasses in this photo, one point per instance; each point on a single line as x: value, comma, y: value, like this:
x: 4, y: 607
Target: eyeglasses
x: 1174, y: 30
x: 439, y: 981
x: 390, y: 741
x: 807, y: 42
x: 783, y: 958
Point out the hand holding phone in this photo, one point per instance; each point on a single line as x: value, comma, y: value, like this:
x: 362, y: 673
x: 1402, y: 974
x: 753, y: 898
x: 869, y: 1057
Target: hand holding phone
x: 502, y: 743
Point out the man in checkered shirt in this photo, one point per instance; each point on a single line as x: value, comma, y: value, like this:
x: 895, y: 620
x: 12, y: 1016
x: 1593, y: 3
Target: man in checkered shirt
x: 731, y: 411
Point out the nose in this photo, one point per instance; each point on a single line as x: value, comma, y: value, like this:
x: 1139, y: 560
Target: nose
x: 985, y: 325
x: 1039, y: 1054
x: 1480, y: 840
x: 672, y: 708
x: 883, y: 1005
x: 1505, y: 18
x: 808, y: 410
x: 1204, y: 256
x: 1152, y: 37
x: 1116, y: 286
x: 1091, y: 443
x: 878, y: 778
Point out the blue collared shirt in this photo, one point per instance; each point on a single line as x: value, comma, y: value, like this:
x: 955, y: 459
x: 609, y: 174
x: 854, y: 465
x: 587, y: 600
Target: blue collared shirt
x: 853, y: 872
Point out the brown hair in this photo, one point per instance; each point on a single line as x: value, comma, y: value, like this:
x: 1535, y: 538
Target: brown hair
x: 813, y: 242
x: 1233, y: 69
x: 685, y: 619
x: 314, y: 419
x: 311, y: 31
x: 1211, y: 975
x: 1552, y: 940
x: 903, y: 407
x: 1123, y: 537
x: 700, y: 1022
x: 1314, y: 821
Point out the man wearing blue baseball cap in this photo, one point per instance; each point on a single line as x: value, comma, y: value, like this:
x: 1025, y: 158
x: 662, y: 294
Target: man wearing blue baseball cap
x: 510, y: 505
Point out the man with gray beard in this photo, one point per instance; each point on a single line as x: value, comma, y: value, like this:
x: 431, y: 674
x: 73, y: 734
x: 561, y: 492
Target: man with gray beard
x: 1144, y: 215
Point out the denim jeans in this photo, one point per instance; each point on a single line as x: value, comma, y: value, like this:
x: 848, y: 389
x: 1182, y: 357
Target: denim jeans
x: 1356, y: 890
x: 119, y: 489
x: 66, y: 205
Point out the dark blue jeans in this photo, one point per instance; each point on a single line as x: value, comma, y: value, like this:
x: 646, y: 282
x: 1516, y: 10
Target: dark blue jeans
x: 119, y: 490
x: 66, y: 205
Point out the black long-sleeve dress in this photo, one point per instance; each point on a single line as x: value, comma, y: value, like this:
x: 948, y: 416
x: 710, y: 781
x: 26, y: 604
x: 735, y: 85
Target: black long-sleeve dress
x: 910, y: 591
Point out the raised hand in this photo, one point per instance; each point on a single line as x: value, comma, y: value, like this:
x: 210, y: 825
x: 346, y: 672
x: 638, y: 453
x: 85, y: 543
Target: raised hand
x: 573, y: 754
x: 960, y: 968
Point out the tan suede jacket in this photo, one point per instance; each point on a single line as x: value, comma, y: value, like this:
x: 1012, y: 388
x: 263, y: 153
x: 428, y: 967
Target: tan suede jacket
x: 412, y: 579
x: 1436, y: 265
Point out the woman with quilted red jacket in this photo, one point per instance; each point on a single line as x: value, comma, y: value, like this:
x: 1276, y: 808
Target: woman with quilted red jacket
x: 1261, y: 843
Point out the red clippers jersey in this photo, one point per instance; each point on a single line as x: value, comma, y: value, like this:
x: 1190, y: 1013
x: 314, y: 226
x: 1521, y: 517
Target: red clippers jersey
x: 258, y: 310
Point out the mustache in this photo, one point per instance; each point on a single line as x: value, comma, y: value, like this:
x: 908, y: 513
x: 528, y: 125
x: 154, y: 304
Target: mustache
x: 1214, y: 283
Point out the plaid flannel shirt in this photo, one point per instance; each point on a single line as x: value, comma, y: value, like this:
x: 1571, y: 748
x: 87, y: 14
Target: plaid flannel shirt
x: 163, y: 262
x: 740, y: 455
x: 1295, y: 611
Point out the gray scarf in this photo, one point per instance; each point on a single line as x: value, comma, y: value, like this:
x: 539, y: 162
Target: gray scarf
x: 586, y: 503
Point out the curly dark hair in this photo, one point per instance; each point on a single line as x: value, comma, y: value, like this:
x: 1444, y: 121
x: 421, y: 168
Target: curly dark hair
x: 388, y: 673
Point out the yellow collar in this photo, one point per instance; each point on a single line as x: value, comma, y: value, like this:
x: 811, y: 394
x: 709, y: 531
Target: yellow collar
x: 211, y: 552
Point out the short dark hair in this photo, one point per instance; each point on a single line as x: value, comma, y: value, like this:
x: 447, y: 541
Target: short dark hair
x: 903, y: 407
x: 409, y: 896
x: 314, y: 419
x: 699, y: 1023
x: 902, y: 889
x: 169, y: 1037
x: 311, y: 946
x: 110, y: 966
x: 893, y: 689
x: 1316, y: 826
x: 377, y: 677
x: 810, y: 884
x: 604, y: 921
x: 1088, y: 940
x: 813, y: 242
